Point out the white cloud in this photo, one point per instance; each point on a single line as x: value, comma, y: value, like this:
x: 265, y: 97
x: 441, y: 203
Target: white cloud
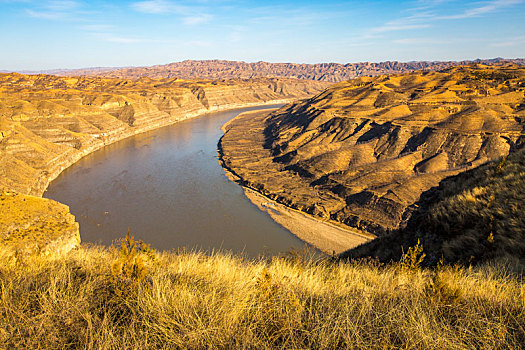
x: 416, y: 21
x: 53, y: 10
x: 192, y: 15
x: 235, y: 37
x: 12, y: 1
x: 62, y: 5
x: 487, y: 8
x: 97, y: 27
x: 123, y: 40
x: 419, y: 41
x: 106, y: 32
x: 44, y: 15
x: 112, y: 38
x: 158, y: 7
x: 152, y: 6
x: 390, y: 27
x: 520, y: 40
x: 197, y: 19
x: 425, y: 15
x: 197, y: 43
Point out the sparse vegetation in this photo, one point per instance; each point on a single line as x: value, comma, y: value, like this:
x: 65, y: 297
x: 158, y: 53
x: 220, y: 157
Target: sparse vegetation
x: 190, y: 300
x: 494, y: 76
x: 411, y: 261
x: 135, y: 298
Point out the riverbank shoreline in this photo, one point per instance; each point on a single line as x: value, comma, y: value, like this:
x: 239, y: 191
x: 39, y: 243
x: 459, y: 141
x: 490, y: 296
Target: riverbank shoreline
x: 71, y: 161
x: 326, y: 236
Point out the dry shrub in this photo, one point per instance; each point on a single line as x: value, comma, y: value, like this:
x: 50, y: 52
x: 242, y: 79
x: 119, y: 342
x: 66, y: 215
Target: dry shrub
x: 129, y: 269
x: 441, y: 288
x: 411, y: 261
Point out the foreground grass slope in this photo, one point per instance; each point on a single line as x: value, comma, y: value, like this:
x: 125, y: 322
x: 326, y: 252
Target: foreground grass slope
x: 474, y: 216
x: 135, y: 298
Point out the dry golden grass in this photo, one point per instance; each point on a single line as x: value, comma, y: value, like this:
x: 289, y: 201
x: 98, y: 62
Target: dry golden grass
x: 137, y: 299
x: 29, y: 223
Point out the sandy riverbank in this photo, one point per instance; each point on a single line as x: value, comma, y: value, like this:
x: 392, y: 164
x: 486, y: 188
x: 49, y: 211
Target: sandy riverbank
x: 324, y: 235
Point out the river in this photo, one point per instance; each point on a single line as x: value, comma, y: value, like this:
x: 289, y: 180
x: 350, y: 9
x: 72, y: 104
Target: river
x: 167, y: 187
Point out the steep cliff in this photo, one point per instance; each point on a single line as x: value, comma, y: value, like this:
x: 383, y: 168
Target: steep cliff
x: 49, y: 122
x: 364, y: 150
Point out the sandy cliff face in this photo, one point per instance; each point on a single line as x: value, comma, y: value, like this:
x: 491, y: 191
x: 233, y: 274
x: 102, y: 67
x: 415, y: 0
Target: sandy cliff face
x: 220, y: 69
x: 364, y: 150
x: 47, y: 122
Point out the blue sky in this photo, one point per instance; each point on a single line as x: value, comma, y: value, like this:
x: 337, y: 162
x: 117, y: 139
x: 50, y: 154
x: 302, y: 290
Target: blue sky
x: 48, y: 34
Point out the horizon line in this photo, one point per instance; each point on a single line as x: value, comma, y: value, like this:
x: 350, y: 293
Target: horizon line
x: 111, y: 68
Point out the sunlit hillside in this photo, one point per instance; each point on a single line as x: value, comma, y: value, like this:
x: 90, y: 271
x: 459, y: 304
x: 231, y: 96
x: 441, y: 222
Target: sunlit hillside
x: 364, y: 150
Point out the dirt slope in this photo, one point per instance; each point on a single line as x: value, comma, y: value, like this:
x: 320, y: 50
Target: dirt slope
x: 469, y: 218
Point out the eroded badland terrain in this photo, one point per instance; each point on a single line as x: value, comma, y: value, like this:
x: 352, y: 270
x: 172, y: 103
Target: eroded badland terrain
x: 363, y: 151
x: 47, y: 123
x: 359, y: 154
x: 221, y: 69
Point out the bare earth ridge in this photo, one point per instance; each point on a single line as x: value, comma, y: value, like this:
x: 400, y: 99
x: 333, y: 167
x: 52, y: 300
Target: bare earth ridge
x: 48, y: 123
x: 363, y: 151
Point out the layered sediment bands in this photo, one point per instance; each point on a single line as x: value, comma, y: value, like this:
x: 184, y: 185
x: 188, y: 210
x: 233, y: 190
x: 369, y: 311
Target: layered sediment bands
x: 47, y: 122
x: 220, y: 69
x: 364, y: 150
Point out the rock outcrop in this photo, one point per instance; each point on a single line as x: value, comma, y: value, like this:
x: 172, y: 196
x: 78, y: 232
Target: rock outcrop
x: 220, y: 69
x: 364, y: 150
x: 48, y: 123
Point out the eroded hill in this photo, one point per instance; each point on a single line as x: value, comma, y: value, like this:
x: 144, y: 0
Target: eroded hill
x: 48, y: 121
x: 364, y: 150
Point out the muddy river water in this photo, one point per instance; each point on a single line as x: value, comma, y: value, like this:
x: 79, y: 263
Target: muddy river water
x: 167, y: 187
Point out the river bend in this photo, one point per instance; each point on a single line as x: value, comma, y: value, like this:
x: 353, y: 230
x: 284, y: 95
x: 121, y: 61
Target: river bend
x: 168, y: 188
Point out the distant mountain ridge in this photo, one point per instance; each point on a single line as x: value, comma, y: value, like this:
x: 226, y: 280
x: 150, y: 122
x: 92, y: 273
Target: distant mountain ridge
x: 221, y: 69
